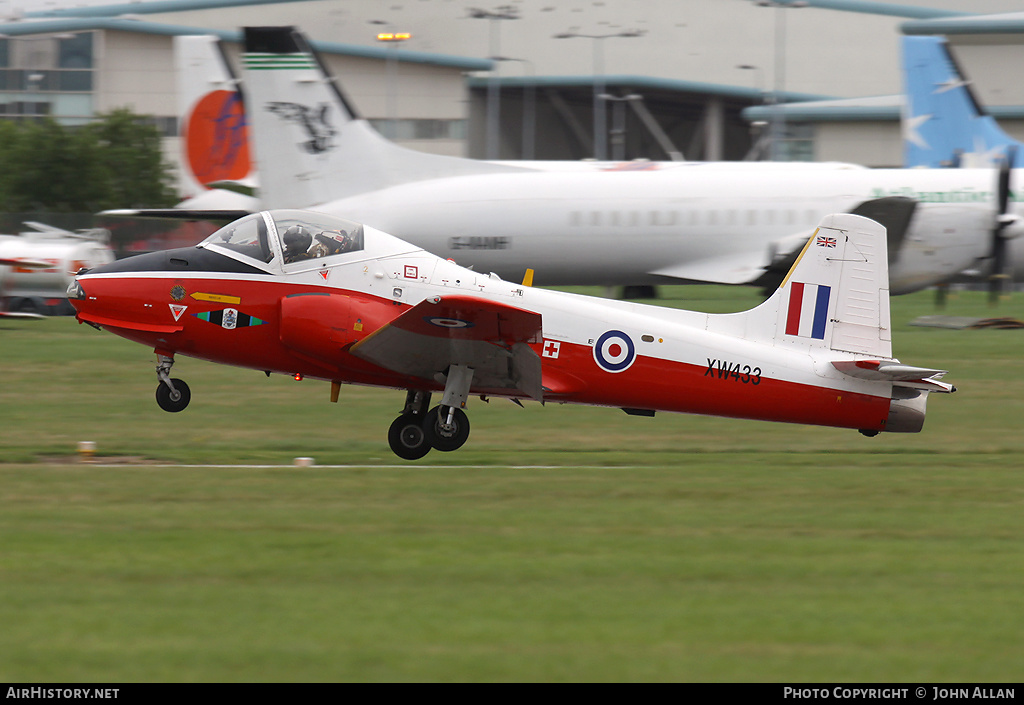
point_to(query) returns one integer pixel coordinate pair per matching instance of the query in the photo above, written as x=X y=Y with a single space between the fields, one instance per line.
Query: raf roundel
x=614 y=351
x=448 y=322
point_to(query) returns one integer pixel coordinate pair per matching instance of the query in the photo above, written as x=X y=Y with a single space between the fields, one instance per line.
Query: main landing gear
x=171 y=394
x=445 y=427
x=416 y=431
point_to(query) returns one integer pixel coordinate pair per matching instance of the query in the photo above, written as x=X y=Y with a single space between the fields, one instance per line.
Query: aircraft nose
x=75 y=291
x=76 y=296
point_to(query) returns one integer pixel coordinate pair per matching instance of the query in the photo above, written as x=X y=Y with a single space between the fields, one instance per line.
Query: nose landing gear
x=171 y=394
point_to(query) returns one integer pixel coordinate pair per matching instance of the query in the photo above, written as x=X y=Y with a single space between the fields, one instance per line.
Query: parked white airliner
x=668 y=222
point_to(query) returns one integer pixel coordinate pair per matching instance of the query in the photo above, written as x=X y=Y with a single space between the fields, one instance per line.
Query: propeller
x=1001 y=276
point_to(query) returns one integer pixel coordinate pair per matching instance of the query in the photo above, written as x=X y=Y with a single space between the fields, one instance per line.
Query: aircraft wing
x=734 y=268
x=899 y=374
x=21 y=314
x=25 y=263
x=488 y=336
x=176 y=214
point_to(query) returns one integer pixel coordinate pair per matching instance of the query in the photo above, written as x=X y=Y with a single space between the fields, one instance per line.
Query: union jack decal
x=826 y=241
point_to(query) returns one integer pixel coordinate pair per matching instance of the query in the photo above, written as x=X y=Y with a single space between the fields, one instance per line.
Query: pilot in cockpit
x=296 y=243
x=299 y=244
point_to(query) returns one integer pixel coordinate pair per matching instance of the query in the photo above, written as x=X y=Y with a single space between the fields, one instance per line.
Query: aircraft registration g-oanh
x=312 y=295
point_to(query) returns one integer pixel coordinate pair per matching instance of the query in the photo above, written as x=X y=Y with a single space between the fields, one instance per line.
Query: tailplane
x=944 y=124
x=310 y=142
x=834 y=305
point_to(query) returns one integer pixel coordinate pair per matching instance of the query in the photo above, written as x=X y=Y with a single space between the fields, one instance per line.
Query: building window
x=798 y=144
x=47 y=75
x=75 y=52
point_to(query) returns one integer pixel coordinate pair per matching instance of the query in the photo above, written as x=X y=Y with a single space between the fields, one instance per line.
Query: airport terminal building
x=724 y=80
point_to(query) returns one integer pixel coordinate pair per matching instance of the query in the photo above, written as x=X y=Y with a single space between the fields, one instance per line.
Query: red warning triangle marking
x=324 y=274
x=177 y=310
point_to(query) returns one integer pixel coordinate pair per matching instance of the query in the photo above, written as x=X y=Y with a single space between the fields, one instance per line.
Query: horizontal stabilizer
x=895 y=372
x=248 y=187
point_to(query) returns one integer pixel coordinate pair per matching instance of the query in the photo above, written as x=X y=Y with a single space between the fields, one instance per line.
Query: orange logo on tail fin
x=216 y=138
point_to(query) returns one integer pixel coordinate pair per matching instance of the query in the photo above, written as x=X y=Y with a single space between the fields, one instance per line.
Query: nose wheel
x=174 y=396
x=171 y=394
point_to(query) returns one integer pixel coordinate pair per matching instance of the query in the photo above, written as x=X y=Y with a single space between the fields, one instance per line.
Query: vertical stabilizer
x=214 y=134
x=311 y=144
x=943 y=122
x=835 y=297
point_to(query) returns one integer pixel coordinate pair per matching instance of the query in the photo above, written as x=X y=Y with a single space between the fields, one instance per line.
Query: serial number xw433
x=734 y=371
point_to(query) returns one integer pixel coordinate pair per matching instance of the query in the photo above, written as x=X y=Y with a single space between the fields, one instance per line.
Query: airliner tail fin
x=215 y=140
x=311 y=143
x=944 y=124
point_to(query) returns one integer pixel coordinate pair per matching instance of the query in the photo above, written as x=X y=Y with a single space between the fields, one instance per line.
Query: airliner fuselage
x=683 y=224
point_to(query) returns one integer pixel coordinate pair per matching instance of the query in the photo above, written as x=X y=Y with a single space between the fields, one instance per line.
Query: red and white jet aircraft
x=312 y=295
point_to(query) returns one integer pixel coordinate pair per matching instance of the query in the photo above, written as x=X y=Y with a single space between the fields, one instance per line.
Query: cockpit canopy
x=287 y=237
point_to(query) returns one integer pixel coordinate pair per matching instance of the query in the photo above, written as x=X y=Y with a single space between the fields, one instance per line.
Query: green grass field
x=561 y=544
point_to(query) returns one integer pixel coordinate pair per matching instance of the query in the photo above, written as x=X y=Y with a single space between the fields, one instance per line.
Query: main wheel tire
x=176 y=401
x=446 y=439
x=407 y=438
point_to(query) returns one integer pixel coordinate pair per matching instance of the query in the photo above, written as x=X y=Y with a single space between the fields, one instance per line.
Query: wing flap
x=490 y=337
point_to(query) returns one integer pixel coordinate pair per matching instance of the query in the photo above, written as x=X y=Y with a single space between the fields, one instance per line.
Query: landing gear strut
x=171 y=394
x=406 y=436
x=445 y=427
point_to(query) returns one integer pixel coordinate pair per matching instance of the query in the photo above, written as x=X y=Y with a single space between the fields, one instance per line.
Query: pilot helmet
x=296 y=240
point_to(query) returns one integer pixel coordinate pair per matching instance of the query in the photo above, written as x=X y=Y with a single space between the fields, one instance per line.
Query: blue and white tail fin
x=214 y=134
x=835 y=297
x=311 y=145
x=943 y=122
